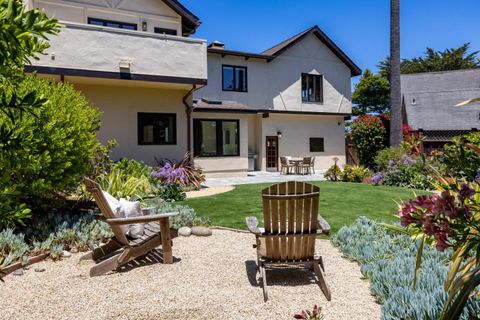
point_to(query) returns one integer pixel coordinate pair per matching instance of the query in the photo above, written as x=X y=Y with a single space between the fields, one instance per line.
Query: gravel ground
x=211 y=278
x=210 y=191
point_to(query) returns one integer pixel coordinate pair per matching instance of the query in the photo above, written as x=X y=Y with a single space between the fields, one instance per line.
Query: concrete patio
x=263 y=177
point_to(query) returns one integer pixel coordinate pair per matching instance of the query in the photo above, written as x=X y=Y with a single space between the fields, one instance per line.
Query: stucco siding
x=154 y=12
x=120 y=106
x=296 y=133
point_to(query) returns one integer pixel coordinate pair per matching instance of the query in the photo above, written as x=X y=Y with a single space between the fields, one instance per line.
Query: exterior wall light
x=124 y=65
x=279 y=134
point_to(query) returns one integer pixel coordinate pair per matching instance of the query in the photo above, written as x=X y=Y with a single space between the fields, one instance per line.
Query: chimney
x=217 y=45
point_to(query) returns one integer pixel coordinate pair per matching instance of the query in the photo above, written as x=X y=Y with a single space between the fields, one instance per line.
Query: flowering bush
x=407 y=172
x=461 y=161
x=368 y=137
x=183 y=173
x=450 y=219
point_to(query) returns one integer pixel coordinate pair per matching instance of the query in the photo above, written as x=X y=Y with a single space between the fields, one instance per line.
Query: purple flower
x=377 y=178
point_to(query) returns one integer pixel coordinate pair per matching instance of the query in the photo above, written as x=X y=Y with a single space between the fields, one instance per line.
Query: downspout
x=188 y=111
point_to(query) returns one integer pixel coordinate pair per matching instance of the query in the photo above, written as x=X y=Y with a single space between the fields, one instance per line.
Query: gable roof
x=190 y=22
x=285 y=45
x=429 y=99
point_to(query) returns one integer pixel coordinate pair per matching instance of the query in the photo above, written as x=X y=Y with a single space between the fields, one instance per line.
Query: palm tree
x=396 y=136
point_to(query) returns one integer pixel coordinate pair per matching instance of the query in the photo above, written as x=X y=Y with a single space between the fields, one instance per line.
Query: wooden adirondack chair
x=120 y=250
x=292 y=223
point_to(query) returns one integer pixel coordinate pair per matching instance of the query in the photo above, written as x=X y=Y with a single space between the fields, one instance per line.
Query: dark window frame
x=219 y=138
x=141 y=115
x=160 y=30
x=314 y=149
x=234 y=78
x=309 y=78
x=104 y=21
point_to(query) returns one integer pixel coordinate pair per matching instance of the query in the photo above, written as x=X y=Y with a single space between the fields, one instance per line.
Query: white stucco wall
x=296 y=133
x=226 y=166
x=119 y=106
x=154 y=12
x=96 y=48
x=277 y=85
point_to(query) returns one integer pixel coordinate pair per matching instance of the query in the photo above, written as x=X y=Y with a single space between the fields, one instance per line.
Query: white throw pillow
x=115 y=207
x=132 y=209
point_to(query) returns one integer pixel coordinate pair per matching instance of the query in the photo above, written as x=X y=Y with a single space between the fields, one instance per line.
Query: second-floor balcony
x=87 y=50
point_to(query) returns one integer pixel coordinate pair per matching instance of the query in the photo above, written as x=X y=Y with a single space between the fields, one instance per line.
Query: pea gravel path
x=212 y=278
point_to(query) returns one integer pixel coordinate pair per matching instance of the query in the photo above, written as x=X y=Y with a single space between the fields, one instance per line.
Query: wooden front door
x=272 y=153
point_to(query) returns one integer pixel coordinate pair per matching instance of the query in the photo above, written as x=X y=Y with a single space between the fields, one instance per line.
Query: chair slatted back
x=96 y=191
x=290 y=219
x=307 y=160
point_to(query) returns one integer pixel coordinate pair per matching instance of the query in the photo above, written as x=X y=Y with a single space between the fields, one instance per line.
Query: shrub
x=368 y=136
x=386 y=259
x=186 y=218
x=57 y=144
x=333 y=173
x=386 y=155
x=461 y=161
x=408 y=172
x=354 y=173
x=171 y=192
x=182 y=173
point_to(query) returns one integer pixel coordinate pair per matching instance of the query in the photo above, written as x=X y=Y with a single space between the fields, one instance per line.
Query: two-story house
x=136 y=62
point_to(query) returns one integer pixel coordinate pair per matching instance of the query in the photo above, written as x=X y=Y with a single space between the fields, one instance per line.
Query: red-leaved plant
x=315 y=314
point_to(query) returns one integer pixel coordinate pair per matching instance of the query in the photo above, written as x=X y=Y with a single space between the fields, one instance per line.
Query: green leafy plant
x=386 y=155
x=333 y=173
x=408 y=172
x=368 y=136
x=461 y=161
x=120 y=184
x=171 y=192
x=354 y=173
x=58 y=142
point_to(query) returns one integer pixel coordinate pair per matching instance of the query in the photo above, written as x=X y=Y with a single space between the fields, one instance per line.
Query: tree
x=448 y=59
x=396 y=136
x=371 y=94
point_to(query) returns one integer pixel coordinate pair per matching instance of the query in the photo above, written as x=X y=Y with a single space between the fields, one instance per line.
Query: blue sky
x=358 y=27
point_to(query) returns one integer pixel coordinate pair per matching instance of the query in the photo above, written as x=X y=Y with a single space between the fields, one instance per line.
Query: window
x=112 y=24
x=216 y=138
x=312 y=88
x=234 y=78
x=317 y=145
x=157 y=128
x=171 y=32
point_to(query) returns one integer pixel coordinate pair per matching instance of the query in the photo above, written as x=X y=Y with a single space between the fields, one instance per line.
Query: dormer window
x=112 y=24
x=312 y=88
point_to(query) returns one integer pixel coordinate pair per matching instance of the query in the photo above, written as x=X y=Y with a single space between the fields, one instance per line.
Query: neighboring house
x=429 y=101
x=135 y=61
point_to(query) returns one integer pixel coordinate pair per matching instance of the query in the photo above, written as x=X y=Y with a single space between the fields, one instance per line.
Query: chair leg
x=264 y=279
x=323 y=283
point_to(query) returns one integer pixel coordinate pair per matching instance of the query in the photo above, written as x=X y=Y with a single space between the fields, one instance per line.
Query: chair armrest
x=252 y=225
x=99 y=217
x=143 y=219
x=323 y=224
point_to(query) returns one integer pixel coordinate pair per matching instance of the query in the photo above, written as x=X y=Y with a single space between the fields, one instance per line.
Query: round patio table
x=298 y=163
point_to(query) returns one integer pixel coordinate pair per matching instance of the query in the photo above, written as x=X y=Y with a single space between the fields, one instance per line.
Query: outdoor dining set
x=289 y=165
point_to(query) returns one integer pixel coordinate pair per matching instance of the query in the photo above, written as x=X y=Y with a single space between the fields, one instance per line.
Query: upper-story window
x=234 y=78
x=112 y=24
x=171 y=32
x=312 y=88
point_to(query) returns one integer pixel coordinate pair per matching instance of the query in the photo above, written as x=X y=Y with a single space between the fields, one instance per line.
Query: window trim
x=310 y=144
x=155 y=29
x=308 y=75
x=140 y=129
x=113 y=21
x=219 y=138
x=234 y=79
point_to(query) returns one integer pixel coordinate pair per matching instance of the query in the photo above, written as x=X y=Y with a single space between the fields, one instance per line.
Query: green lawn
x=340 y=203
